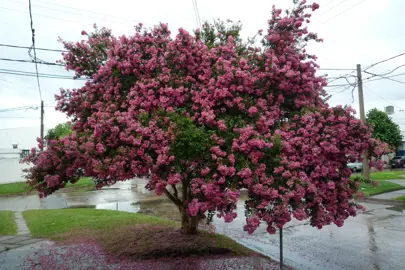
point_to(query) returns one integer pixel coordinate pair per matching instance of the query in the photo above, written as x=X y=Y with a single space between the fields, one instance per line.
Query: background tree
x=208 y=116
x=384 y=129
x=59 y=131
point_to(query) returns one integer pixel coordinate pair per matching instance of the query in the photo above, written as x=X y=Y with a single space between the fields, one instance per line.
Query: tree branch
x=184 y=190
x=172 y=198
x=176 y=194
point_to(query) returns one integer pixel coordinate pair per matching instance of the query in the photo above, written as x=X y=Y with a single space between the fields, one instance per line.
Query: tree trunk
x=189 y=225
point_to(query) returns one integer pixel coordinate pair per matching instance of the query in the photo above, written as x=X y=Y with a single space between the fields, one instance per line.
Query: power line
x=31 y=61
x=33 y=46
x=24 y=47
x=383 y=98
x=338 y=4
x=366 y=80
x=41 y=75
x=75 y=21
x=336 y=69
x=337 y=15
x=46 y=16
x=385 y=77
x=93 y=12
x=17 y=117
x=390 y=71
x=198 y=12
x=327 y=4
x=377 y=75
x=385 y=60
x=195 y=13
x=32 y=107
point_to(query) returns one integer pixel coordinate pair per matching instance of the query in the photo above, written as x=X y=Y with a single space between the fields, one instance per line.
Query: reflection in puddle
x=119 y=206
x=161 y=208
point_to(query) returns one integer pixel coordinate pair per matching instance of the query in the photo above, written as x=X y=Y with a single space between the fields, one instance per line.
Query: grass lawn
x=7 y=223
x=401 y=198
x=384 y=175
x=21 y=187
x=126 y=234
x=383 y=184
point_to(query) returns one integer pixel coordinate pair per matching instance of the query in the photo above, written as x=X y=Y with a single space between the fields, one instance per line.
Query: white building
x=14 y=143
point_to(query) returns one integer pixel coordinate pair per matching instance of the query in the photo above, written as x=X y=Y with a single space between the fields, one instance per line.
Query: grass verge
x=7 y=223
x=383 y=187
x=21 y=187
x=130 y=235
x=401 y=198
x=384 y=175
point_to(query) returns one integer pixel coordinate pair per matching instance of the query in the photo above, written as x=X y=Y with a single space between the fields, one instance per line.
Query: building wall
x=10 y=168
x=25 y=137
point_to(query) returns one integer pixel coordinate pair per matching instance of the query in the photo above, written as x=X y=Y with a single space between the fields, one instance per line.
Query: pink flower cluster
x=264 y=109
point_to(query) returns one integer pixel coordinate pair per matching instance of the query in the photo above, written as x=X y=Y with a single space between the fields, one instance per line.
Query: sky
x=354 y=32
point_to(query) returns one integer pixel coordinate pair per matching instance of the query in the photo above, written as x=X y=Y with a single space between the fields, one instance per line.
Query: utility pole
x=42 y=119
x=366 y=169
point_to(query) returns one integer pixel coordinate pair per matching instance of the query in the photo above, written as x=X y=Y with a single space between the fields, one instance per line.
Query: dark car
x=398 y=162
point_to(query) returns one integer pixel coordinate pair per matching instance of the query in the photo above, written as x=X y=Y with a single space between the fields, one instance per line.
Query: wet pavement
x=122 y=192
x=393 y=194
x=372 y=240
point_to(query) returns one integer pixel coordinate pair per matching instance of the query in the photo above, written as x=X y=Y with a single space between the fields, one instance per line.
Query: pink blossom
x=193 y=208
x=174 y=179
x=252 y=111
x=168 y=107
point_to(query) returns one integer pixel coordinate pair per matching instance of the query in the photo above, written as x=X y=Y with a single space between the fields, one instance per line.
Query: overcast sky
x=363 y=34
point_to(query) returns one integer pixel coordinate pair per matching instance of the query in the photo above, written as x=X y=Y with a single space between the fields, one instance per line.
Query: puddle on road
x=161 y=208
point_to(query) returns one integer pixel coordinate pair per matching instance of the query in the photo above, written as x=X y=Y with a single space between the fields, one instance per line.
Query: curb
x=382 y=201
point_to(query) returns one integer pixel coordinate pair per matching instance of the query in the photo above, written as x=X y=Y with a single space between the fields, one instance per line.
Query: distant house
x=15 y=143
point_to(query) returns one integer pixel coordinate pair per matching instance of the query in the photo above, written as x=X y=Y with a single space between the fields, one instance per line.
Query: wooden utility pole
x=366 y=168
x=42 y=119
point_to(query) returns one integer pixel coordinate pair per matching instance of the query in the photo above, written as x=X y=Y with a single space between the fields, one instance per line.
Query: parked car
x=398 y=162
x=355 y=166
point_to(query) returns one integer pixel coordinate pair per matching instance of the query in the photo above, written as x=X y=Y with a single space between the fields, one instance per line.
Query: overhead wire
x=385 y=60
x=195 y=14
x=31 y=61
x=18 y=117
x=338 y=4
x=93 y=12
x=42 y=75
x=384 y=77
x=70 y=20
x=31 y=107
x=336 y=69
x=337 y=15
x=33 y=46
x=382 y=97
x=25 y=47
x=198 y=12
x=327 y=4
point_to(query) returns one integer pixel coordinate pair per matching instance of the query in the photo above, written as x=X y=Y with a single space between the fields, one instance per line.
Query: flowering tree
x=209 y=116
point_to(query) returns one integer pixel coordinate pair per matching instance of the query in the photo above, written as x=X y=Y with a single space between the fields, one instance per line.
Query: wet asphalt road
x=375 y=239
